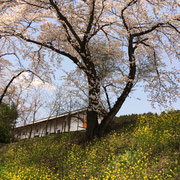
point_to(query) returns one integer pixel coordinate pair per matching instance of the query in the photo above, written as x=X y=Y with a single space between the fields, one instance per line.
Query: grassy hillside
x=146 y=148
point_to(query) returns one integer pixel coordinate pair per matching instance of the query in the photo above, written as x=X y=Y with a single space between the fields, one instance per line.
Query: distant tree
x=8 y=116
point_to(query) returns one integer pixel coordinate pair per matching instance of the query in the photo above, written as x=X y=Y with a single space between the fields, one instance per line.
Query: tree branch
x=35 y=5
x=73 y=58
x=64 y=19
x=107 y=97
x=122 y=13
x=11 y=81
x=147 y=31
x=173 y=27
x=91 y=19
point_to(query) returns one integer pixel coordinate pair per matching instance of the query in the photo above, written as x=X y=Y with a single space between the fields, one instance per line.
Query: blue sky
x=133 y=105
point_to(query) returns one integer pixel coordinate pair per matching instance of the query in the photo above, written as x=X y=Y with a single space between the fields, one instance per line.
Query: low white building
x=72 y=121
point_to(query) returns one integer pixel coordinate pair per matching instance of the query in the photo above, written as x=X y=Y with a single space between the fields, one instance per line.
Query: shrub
x=8 y=116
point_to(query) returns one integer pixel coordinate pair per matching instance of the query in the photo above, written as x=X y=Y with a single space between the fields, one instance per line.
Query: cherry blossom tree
x=142 y=31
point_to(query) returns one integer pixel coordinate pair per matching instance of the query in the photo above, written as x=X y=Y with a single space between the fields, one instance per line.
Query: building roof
x=54 y=117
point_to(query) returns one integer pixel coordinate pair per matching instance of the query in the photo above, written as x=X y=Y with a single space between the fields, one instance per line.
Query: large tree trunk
x=92 y=112
x=92 y=124
x=93 y=128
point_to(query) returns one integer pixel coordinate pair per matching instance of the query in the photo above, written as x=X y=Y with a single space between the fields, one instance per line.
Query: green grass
x=146 y=148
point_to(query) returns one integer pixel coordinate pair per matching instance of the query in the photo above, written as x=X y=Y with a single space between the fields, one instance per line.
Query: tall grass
x=148 y=148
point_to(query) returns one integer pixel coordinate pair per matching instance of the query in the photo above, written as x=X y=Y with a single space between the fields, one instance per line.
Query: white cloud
x=38 y=83
x=25 y=81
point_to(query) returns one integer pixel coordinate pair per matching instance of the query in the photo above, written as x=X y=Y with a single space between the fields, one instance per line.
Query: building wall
x=57 y=125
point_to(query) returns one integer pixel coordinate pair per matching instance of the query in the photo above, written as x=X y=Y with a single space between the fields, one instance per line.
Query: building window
x=37 y=130
x=85 y=122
